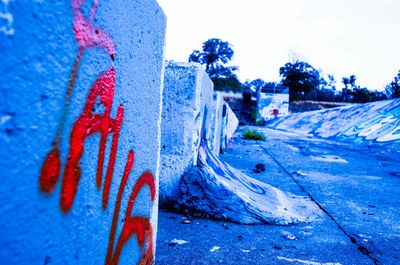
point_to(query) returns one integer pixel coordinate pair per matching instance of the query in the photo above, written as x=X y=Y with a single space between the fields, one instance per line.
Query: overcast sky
x=339 y=37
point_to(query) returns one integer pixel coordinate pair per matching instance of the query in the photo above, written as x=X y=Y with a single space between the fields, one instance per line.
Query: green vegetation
x=303 y=80
x=393 y=88
x=216 y=56
x=253 y=135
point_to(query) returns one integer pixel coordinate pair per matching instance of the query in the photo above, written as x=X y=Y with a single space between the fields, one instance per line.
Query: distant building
x=273 y=101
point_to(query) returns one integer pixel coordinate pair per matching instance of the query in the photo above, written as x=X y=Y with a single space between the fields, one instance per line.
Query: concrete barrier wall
x=187 y=98
x=370 y=123
x=272 y=105
x=232 y=123
x=80 y=111
x=229 y=125
x=216 y=123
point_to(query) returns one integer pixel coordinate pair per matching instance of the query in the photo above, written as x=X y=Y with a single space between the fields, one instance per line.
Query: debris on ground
x=299 y=173
x=288 y=235
x=214 y=248
x=177 y=242
x=260 y=166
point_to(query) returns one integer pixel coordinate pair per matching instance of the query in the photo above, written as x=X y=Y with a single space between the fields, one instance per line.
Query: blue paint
x=372 y=123
x=223 y=192
x=37 y=62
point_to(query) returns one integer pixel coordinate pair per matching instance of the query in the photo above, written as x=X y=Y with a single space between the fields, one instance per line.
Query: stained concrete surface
x=80 y=85
x=357 y=187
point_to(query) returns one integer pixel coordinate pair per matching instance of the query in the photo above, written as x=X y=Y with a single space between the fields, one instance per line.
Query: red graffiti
x=88 y=124
x=133 y=225
x=88 y=35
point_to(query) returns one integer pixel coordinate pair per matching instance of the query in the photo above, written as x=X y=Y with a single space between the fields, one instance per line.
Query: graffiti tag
x=87 y=124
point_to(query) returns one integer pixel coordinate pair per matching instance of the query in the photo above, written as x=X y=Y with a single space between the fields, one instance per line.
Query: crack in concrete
x=360 y=247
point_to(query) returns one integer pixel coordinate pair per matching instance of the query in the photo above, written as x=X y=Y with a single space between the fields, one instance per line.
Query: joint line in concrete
x=360 y=247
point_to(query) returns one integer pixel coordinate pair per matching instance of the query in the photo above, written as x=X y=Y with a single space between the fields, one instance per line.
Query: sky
x=339 y=37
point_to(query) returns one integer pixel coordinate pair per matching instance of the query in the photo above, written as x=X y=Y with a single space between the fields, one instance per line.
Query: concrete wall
x=370 y=123
x=80 y=110
x=232 y=123
x=272 y=105
x=187 y=101
x=229 y=125
x=216 y=123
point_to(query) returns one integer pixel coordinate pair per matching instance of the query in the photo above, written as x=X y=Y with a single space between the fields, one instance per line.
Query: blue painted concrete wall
x=56 y=208
x=216 y=122
x=186 y=96
x=371 y=123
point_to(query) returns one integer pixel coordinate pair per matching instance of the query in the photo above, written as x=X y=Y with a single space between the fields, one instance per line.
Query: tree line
x=303 y=80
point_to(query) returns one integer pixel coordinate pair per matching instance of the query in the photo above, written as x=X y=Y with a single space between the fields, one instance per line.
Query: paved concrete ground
x=357 y=188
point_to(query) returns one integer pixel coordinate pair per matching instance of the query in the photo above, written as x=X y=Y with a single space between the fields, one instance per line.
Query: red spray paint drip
x=88 y=124
x=88 y=35
x=139 y=226
x=50 y=170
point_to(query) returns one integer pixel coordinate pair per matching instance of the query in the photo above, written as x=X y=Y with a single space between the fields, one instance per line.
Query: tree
x=331 y=83
x=254 y=86
x=378 y=95
x=215 y=57
x=393 y=88
x=327 y=89
x=325 y=94
x=301 y=78
x=349 y=86
x=361 y=95
x=349 y=81
x=351 y=92
x=227 y=84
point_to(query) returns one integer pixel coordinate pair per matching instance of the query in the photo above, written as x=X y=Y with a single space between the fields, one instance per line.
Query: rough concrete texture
x=222 y=192
x=216 y=123
x=373 y=123
x=187 y=101
x=271 y=105
x=229 y=125
x=360 y=198
x=80 y=93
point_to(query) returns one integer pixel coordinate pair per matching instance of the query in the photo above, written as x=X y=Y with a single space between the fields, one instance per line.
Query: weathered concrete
x=187 y=101
x=216 y=123
x=357 y=185
x=72 y=84
x=372 y=123
x=229 y=125
x=272 y=104
x=222 y=192
x=360 y=225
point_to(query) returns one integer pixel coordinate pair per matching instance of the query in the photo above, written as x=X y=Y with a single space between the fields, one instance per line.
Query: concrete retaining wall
x=190 y=109
x=370 y=123
x=272 y=105
x=229 y=125
x=187 y=101
x=80 y=105
x=216 y=123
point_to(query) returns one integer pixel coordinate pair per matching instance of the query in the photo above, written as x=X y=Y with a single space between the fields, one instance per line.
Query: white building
x=273 y=101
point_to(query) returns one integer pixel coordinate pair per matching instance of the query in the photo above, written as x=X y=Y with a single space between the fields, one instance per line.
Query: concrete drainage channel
x=359 y=246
